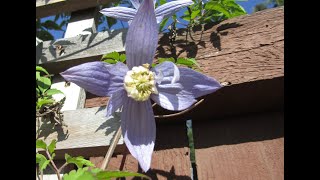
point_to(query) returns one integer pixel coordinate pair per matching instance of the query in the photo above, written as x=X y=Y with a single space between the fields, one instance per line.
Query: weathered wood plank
x=248 y=147
x=241 y=40
x=52 y=7
x=85 y=128
x=170 y=159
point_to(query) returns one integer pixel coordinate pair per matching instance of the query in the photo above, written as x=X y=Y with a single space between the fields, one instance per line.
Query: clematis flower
x=131 y=86
x=163 y=11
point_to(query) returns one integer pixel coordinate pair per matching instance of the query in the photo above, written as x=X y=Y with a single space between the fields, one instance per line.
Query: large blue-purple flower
x=163 y=11
x=131 y=86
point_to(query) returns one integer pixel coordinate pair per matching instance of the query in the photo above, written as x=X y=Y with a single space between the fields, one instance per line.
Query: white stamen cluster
x=140 y=83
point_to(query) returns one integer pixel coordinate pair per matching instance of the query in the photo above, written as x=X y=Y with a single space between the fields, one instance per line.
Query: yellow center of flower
x=140 y=83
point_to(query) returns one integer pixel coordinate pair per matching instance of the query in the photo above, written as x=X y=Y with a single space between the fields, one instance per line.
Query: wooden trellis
x=238 y=131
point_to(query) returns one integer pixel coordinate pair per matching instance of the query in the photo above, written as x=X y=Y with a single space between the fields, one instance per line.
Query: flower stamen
x=140 y=83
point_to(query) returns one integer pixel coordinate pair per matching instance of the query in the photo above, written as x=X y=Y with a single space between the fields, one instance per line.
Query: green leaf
x=118 y=174
x=42 y=102
x=80 y=174
x=122 y=58
x=38 y=92
x=78 y=161
x=51 y=25
x=217 y=7
x=113 y=55
x=161 y=60
x=52 y=146
x=110 y=61
x=163 y=23
x=195 y=13
x=51 y=92
x=111 y=22
x=162 y=2
x=190 y=62
x=39 y=68
x=44 y=35
x=43 y=83
x=41 y=144
x=37 y=75
x=42 y=161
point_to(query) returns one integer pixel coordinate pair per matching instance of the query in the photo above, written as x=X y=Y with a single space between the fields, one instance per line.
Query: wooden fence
x=238 y=131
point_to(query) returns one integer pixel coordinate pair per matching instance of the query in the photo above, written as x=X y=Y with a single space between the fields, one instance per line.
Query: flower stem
x=111 y=149
x=63 y=166
x=53 y=165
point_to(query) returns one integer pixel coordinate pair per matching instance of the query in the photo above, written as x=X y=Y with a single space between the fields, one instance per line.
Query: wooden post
x=81 y=23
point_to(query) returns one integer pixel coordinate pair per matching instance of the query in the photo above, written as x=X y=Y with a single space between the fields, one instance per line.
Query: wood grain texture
x=85 y=128
x=52 y=7
x=242 y=47
x=170 y=160
x=248 y=147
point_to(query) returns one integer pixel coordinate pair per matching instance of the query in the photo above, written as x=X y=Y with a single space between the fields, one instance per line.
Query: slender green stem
x=63 y=166
x=53 y=165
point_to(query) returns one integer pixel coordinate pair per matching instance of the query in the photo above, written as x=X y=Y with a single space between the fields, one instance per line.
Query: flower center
x=140 y=83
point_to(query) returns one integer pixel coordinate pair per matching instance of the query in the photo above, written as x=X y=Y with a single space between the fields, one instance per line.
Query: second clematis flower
x=163 y=11
x=131 y=86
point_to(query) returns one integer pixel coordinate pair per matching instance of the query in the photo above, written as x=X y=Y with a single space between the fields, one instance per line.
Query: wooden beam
x=52 y=7
x=247 y=147
x=241 y=40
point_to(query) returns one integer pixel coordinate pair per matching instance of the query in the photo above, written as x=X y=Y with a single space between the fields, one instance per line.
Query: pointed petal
x=98 y=78
x=136 y=3
x=142 y=36
x=139 y=130
x=121 y=13
x=168 y=72
x=116 y=101
x=180 y=94
x=168 y=9
x=196 y=83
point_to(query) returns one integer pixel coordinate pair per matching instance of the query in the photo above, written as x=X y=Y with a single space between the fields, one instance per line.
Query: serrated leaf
x=52 y=146
x=122 y=58
x=95 y=170
x=42 y=161
x=78 y=161
x=80 y=174
x=43 y=83
x=51 y=92
x=41 y=144
x=118 y=174
x=190 y=62
x=39 y=68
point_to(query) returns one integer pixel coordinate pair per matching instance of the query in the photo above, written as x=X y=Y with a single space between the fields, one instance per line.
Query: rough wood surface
x=243 y=49
x=249 y=147
x=170 y=159
x=225 y=49
x=86 y=128
x=52 y=7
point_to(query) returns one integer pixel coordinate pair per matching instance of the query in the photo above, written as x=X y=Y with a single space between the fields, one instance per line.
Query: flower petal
x=196 y=83
x=170 y=8
x=115 y=102
x=172 y=99
x=142 y=36
x=139 y=130
x=121 y=13
x=168 y=72
x=98 y=78
x=179 y=93
x=136 y=3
